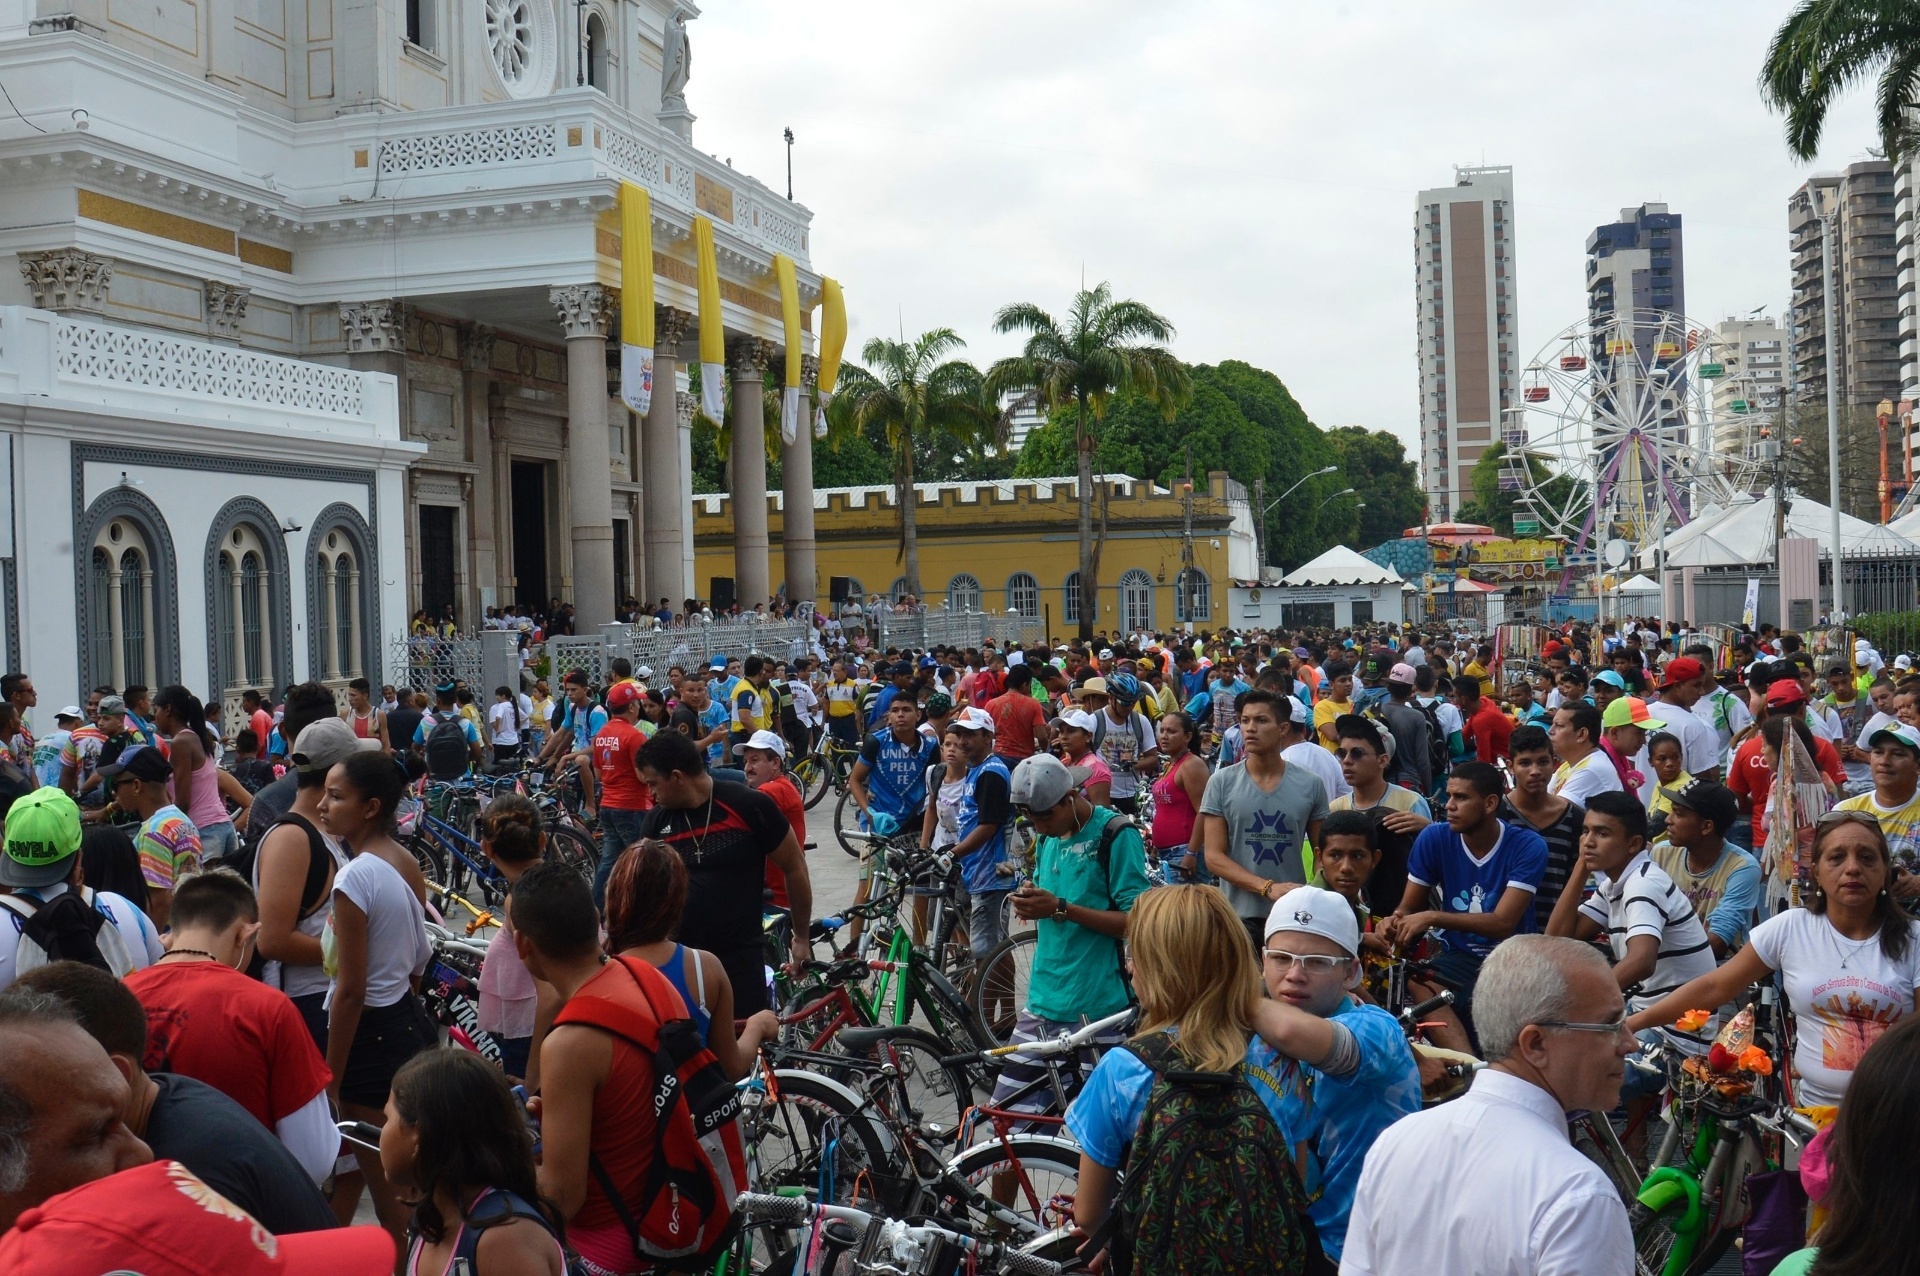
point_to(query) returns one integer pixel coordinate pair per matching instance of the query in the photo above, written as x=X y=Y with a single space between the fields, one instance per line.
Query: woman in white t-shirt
x=375 y=945
x=1850 y=960
x=504 y=722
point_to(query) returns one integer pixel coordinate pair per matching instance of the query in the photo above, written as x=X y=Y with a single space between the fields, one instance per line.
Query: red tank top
x=622 y=1116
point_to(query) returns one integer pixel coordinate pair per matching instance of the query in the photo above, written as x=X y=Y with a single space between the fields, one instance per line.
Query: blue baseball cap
x=1609 y=677
x=718 y=662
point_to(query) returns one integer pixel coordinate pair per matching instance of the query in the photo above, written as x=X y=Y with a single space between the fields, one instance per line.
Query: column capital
x=226 y=307
x=68 y=279
x=375 y=327
x=748 y=355
x=670 y=327
x=683 y=407
x=585 y=310
x=809 y=370
x=476 y=347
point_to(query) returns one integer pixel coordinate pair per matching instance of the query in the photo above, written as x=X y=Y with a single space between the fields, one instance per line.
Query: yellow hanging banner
x=833 y=335
x=713 y=333
x=789 y=282
x=636 y=297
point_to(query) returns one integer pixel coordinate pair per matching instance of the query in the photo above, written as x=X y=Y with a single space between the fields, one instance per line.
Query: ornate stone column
x=747 y=359
x=796 y=486
x=226 y=308
x=684 y=406
x=486 y=453
x=667 y=480
x=68 y=280
x=585 y=314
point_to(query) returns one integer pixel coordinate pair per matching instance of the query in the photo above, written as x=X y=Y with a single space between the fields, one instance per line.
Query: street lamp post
x=1266 y=508
x=1336 y=496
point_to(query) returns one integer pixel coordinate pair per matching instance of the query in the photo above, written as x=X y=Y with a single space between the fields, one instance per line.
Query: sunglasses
x=1312 y=963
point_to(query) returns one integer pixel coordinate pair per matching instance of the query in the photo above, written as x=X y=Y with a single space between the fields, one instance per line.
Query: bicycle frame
x=461 y=847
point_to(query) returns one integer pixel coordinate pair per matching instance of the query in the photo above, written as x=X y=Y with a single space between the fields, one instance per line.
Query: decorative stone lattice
x=67 y=279
x=469 y=148
x=118 y=356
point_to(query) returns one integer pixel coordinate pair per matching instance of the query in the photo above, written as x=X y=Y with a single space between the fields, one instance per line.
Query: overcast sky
x=1250 y=169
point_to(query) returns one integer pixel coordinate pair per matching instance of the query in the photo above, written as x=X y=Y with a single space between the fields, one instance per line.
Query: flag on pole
x=833 y=343
x=636 y=297
x=789 y=282
x=713 y=333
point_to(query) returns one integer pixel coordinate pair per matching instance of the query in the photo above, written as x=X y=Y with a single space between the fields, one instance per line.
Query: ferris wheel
x=1614 y=437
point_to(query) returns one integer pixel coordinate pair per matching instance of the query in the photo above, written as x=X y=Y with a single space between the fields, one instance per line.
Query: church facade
x=288 y=257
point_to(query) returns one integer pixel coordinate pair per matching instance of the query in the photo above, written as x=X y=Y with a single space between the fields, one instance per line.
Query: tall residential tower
x=1463 y=249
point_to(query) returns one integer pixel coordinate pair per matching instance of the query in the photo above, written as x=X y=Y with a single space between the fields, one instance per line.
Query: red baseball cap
x=159 y=1220
x=1784 y=691
x=622 y=694
x=1683 y=669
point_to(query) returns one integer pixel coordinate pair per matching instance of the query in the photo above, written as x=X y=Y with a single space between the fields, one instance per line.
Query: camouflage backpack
x=1210 y=1187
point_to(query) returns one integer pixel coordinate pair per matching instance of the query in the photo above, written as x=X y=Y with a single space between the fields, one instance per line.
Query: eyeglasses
x=1312 y=963
x=1611 y=1028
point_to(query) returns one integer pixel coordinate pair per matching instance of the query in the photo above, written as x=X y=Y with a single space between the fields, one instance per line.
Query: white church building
x=314 y=325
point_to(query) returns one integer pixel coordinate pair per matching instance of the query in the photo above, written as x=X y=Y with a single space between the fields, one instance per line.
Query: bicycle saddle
x=859 y=1040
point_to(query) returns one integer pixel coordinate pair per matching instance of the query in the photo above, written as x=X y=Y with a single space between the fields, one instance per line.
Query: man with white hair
x=1489 y=1185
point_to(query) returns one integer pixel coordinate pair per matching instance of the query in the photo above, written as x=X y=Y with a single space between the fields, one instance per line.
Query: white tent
x=1341 y=566
x=1741 y=535
x=1637 y=585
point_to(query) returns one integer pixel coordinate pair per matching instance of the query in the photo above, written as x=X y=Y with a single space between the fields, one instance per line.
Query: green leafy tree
x=914 y=398
x=1375 y=465
x=1106 y=349
x=1496 y=506
x=1826 y=47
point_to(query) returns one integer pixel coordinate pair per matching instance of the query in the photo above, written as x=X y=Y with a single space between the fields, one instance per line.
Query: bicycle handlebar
x=1064 y=1043
x=1427 y=1007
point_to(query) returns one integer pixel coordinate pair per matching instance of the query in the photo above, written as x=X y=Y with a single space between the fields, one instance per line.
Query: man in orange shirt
x=624 y=796
x=764 y=759
x=1019 y=720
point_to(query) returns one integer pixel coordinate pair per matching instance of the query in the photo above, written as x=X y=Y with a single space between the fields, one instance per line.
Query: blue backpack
x=491 y=1210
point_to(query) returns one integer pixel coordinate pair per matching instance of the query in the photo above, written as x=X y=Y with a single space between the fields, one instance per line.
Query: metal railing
x=425 y=662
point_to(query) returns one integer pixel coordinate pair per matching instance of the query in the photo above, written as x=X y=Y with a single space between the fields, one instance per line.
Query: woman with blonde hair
x=1199 y=992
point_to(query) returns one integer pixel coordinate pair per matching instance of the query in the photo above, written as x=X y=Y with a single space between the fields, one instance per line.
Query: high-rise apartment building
x=1866 y=302
x=1463 y=250
x=1751 y=389
x=1636 y=264
x=1906 y=247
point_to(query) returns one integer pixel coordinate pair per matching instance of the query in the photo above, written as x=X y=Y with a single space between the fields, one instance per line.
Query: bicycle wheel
x=999 y=989
x=570 y=846
x=431 y=859
x=811 y=776
x=813 y=1136
x=1020 y=1187
x=936 y=1095
x=1657 y=1240
x=846 y=819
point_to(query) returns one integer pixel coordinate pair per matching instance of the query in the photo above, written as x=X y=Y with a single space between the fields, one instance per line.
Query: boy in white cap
x=1342 y=1068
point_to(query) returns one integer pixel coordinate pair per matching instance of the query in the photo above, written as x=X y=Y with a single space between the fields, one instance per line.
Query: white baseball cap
x=768 y=740
x=1078 y=719
x=971 y=719
x=1310 y=910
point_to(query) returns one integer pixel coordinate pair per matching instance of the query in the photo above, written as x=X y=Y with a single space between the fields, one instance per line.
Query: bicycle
x=829 y=766
x=871 y=1244
x=453 y=859
x=450 y=990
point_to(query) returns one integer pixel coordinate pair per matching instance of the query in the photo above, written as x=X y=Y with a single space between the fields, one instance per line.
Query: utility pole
x=1186 y=544
x=1260 y=525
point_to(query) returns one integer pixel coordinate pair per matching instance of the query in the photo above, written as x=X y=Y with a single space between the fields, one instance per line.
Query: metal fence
x=1881 y=594
x=433 y=662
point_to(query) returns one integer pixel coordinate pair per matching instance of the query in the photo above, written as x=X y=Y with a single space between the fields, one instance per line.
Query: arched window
x=897 y=590
x=1072 y=611
x=855 y=590
x=1136 y=601
x=244 y=605
x=342 y=606
x=963 y=592
x=128 y=609
x=1023 y=595
x=596 y=53
x=1192 y=596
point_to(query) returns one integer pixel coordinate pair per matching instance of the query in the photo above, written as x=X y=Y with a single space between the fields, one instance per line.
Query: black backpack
x=1210 y=1184
x=446 y=749
x=1439 y=752
x=70 y=928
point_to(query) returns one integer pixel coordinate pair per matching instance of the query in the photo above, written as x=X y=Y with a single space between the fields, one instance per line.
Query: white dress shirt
x=1310 y=756
x=1487 y=1185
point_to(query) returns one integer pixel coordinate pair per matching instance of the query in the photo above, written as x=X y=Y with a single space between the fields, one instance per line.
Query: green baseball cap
x=43 y=835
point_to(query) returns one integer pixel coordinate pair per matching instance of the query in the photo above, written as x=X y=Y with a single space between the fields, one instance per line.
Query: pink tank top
x=207 y=808
x=1173 y=812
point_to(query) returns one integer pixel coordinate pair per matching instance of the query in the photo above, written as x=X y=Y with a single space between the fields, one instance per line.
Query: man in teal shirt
x=1088 y=871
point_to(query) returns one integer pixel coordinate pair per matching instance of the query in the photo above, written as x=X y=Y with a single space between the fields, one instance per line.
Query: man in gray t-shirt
x=1256 y=812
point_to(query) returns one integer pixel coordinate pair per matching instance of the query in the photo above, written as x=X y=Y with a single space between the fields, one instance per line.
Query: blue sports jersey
x=897 y=773
x=716 y=714
x=978 y=870
x=1440 y=860
x=1333 y=1122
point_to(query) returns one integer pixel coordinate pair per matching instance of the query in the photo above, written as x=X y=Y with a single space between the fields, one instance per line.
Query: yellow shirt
x=843 y=698
x=1323 y=715
x=1478 y=670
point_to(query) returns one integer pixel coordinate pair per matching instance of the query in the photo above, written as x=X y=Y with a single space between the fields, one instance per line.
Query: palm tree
x=1825 y=47
x=1103 y=351
x=910 y=394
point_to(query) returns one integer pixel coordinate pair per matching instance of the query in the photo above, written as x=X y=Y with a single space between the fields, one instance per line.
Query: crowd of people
x=220 y=935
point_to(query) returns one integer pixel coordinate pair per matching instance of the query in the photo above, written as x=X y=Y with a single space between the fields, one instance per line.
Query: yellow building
x=1014 y=544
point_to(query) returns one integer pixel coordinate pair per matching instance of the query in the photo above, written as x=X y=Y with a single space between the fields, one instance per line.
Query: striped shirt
x=1643 y=900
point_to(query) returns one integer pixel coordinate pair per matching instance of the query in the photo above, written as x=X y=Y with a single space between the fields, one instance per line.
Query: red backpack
x=685 y=1209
